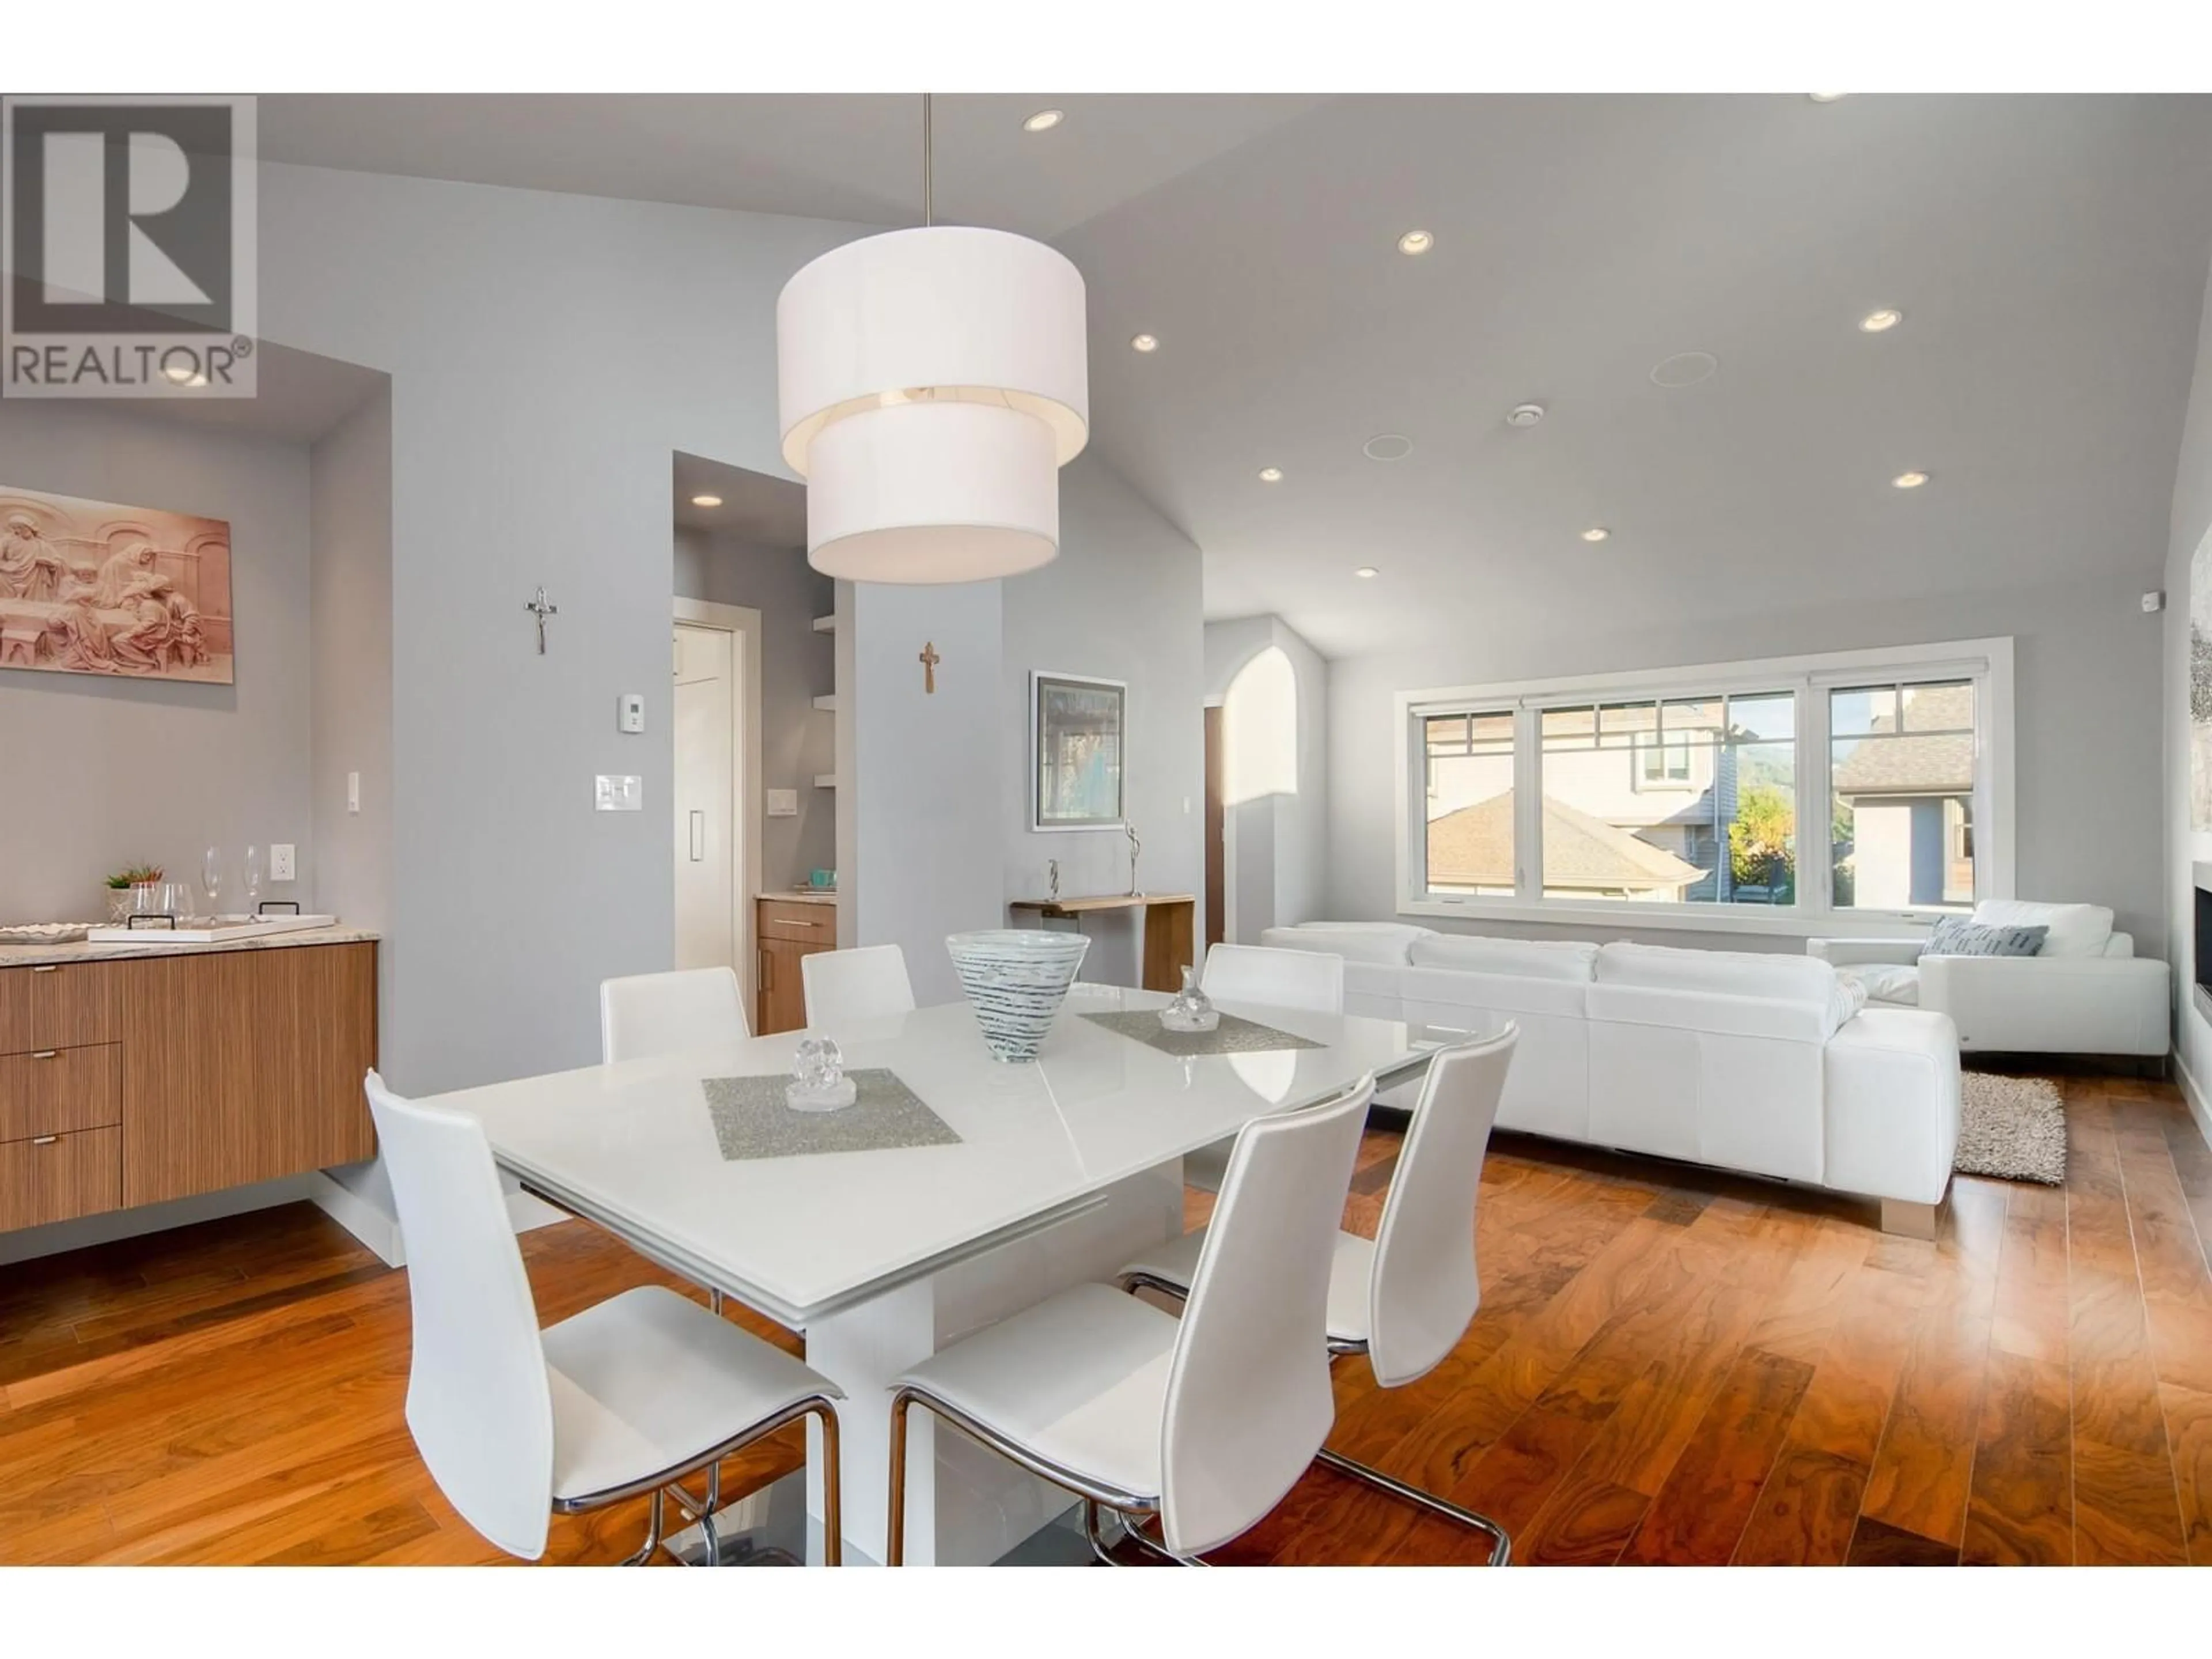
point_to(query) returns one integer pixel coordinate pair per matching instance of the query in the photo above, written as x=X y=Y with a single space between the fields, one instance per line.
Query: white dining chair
x=1309 y=979
x=845 y=987
x=647 y=1016
x=1205 y=1422
x=626 y=1398
x=1405 y=1299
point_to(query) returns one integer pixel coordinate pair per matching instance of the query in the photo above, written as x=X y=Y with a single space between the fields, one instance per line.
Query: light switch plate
x=353 y=792
x=619 y=794
x=283 y=861
x=783 y=803
x=630 y=712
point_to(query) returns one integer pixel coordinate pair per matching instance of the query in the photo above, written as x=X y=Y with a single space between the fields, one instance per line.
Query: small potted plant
x=121 y=899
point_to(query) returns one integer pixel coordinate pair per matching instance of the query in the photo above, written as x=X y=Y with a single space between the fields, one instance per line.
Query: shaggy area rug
x=2013 y=1126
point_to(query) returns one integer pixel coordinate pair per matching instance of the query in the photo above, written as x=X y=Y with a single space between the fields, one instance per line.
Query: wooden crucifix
x=929 y=660
x=541 y=610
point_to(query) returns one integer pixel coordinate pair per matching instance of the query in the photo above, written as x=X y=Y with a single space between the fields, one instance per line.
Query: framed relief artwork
x=96 y=588
x=1077 y=729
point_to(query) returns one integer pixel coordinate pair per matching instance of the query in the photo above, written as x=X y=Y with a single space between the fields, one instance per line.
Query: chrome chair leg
x=1501 y=1551
x=652 y=1536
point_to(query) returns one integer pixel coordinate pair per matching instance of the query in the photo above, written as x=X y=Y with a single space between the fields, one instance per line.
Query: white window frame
x=1987 y=663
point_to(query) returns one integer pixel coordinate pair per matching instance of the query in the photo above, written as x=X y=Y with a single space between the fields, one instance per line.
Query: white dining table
x=1064 y=1167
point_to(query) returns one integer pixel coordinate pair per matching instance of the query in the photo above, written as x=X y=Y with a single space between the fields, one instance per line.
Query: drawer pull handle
x=43 y=1141
x=45 y=1053
x=47 y=968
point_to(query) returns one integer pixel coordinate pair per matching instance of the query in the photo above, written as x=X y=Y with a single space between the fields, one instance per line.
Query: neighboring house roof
x=1939 y=764
x=1473 y=848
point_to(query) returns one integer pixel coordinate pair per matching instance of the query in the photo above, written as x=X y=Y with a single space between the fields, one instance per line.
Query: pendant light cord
x=928 y=164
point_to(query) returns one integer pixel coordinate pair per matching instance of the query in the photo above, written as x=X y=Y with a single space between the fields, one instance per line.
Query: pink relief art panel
x=95 y=587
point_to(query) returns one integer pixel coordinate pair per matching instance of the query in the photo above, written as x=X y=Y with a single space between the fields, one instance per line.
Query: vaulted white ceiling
x=2049 y=254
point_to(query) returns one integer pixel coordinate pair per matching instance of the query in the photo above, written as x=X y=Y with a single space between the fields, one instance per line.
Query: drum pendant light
x=931 y=383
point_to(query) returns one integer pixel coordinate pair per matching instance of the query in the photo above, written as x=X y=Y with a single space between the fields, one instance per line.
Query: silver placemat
x=751 y=1119
x=1232 y=1036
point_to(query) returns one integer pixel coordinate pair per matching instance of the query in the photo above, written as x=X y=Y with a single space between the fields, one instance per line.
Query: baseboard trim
x=58 y=1237
x=366 y=1221
x=2195 y=1096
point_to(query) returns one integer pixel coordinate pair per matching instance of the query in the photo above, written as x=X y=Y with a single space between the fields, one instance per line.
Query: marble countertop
x=29 y=956
x=800 y=895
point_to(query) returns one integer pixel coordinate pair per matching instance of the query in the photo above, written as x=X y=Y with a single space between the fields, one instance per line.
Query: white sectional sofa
x=2086 y=992
x=1766 y=1063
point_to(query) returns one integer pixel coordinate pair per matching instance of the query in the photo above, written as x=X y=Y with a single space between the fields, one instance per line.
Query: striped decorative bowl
x=1016 y=978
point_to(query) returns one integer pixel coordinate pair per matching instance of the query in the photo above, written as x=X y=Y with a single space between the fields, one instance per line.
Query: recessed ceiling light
x=1044 y=120
x=1910 y=480
x=1388 y=446
x=1596 y=532
x=706 y=501
x=1144 y=342
x=1367 y=572
x=1271 y=474
x=1524 y=415
x=1684 y=368
x=1416 y=241
x=1880 y=322
x=1827 y=97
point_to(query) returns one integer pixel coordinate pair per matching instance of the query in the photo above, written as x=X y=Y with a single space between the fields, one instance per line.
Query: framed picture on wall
x=97 y=587
x=1077 y=729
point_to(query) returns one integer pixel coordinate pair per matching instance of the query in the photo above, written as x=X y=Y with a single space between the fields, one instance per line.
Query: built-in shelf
x=825 y=780
x=825 y=624
x=827 y=702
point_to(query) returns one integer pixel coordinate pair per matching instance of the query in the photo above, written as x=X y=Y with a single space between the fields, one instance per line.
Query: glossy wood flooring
x=1669 y=1366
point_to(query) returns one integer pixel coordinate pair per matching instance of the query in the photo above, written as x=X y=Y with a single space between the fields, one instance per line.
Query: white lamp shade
x=948 y=313
x=932 y=492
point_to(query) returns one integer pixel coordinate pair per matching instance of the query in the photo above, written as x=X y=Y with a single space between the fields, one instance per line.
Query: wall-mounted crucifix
x=538 y=608
x=929 y=660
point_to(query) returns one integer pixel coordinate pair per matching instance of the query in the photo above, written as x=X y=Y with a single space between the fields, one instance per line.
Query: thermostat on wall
x=630 y=715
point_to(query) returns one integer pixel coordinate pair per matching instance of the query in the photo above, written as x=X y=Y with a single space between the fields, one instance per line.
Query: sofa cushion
x=2076 y=930
x=1888 y=983
x=1524 y=958
x=1956 y=936
x=1726 y=973
x=1381 y=943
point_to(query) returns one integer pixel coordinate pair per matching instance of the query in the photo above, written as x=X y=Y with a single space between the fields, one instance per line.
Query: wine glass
x=211 y=878
x=254 y=881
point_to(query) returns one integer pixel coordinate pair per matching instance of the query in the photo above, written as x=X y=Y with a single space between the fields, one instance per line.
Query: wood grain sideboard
x=786 y=930
x=130 y=1082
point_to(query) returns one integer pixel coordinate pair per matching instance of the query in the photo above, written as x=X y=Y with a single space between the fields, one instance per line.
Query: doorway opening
x=716 y=653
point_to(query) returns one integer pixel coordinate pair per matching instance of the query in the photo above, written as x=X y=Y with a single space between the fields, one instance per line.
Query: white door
x=707 y=852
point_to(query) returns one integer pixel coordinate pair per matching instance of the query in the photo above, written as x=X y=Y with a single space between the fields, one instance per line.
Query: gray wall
x=349 y=629
x=2192 y=523
x=797 y=741
x=2086 y=751
x=1279 y=867
x=549 y=353
x=101 y=772
x=930 y=787
x=1122 y=602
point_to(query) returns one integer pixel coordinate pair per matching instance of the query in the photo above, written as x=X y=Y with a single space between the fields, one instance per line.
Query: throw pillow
x=1956 y=936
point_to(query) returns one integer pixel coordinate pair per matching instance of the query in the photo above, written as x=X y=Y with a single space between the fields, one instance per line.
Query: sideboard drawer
x=66 y=1005
x=809 y=924
x=60 y=1177
x=52 y=1091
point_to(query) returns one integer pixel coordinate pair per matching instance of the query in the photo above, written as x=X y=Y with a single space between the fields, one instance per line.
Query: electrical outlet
x=283 y=861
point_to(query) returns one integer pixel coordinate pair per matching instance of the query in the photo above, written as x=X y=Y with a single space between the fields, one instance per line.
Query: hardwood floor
x=1669 y=1366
